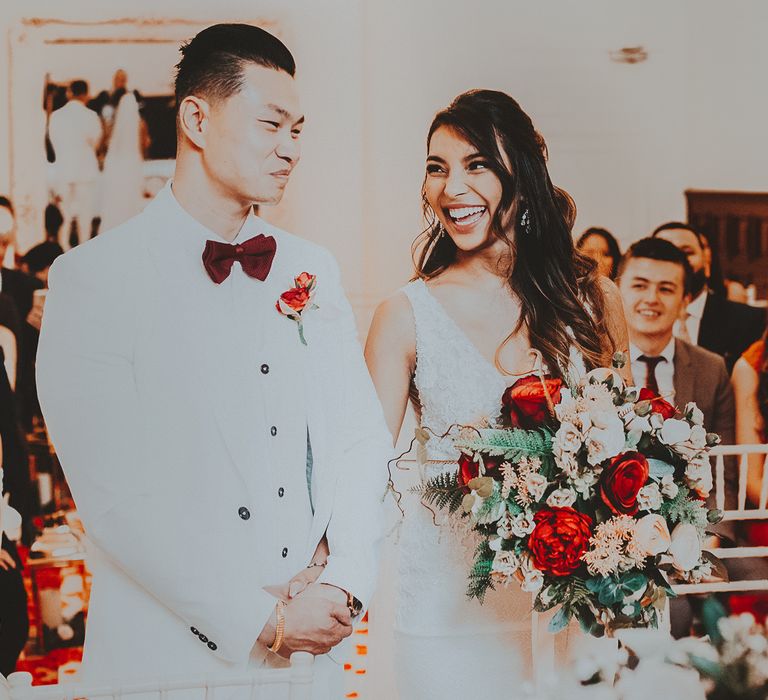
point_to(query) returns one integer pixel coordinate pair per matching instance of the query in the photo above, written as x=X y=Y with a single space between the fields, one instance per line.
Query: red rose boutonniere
x=294 y=302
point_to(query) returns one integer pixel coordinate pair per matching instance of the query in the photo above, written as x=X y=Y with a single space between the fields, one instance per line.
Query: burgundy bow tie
x=255 y=256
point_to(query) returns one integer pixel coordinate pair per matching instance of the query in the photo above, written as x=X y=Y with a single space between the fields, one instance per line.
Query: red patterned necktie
x=255 y=256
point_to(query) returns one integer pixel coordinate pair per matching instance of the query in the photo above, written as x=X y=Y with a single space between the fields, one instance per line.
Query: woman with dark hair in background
x=500 y=294
x=599 y=245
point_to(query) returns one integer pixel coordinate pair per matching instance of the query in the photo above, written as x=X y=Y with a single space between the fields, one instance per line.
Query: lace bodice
x=455 y=384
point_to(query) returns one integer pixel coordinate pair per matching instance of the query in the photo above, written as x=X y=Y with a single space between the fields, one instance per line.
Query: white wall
x=625 y=140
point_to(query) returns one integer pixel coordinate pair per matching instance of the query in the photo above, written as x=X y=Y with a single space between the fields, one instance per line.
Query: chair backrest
x=728 y=458
x=293 y=683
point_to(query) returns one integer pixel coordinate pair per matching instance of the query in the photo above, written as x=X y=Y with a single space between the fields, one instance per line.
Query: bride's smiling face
x=462 y=190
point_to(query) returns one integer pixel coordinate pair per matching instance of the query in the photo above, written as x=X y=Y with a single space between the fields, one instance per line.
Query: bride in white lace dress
x=498 y=285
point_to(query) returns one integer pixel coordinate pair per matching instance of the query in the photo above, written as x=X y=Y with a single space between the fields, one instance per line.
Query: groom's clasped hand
x=316 y=615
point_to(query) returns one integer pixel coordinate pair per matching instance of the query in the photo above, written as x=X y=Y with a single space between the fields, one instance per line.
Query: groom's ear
x=194 y=115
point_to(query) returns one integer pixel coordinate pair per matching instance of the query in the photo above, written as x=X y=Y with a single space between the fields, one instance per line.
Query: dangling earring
x=525 y=221
x=440 y=231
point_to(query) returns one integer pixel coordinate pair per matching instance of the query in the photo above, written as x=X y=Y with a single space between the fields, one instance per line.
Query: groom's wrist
x=267 y=636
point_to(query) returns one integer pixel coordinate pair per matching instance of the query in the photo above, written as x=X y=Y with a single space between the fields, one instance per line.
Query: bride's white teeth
x=466 y=215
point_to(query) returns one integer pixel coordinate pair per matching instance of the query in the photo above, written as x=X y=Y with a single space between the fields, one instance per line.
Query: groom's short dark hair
x=212 y=62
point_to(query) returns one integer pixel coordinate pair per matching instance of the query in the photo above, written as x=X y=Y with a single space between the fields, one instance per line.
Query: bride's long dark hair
x=562 y=302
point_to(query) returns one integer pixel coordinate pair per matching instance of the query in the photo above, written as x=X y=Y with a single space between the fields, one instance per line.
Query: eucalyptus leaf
x=658 y=469
x=560 y=620
x=711 y=612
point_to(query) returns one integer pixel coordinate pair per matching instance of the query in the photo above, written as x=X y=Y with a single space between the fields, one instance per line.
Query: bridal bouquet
x=592 y=496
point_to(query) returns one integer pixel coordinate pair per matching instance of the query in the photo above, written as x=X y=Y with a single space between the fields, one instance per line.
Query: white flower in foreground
x=675 y=431
x=536 y=485
x=566 y=409
x=567 y=438
x=522 y=524
x=698 y=476
x=698 y=437
x=652 y=535
x=656 y=678
x=505 y=564
x=649 y=497
x=561 y=498
x=597 y=398
x=694 y=413
x=533 y=579
x=668 y=486
x=685 y=547
x=605 y=443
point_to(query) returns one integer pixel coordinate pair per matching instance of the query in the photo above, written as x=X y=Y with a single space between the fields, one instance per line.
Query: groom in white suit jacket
x=216 y=446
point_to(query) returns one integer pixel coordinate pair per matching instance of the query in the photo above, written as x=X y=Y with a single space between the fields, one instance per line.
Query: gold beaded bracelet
x=280 y=628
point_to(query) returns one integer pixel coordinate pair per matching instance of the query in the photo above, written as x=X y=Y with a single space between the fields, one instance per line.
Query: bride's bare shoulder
x=393 y=322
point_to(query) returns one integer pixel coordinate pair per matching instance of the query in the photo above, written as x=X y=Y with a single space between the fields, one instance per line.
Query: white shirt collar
x=196 y=234
x=696 y=307
x=668 y=353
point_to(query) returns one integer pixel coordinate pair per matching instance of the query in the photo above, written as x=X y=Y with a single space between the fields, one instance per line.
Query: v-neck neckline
x=506 y=378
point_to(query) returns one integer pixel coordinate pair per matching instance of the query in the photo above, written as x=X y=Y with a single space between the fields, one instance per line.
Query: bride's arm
x=616 y=325
x=390 y=352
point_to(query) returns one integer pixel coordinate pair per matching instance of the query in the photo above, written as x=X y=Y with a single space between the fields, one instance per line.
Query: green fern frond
x=512 y=444
x=480 y=575
x=442 y=491
x=683 y=508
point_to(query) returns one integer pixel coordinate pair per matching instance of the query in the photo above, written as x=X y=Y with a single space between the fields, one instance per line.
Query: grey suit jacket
x=701 y=376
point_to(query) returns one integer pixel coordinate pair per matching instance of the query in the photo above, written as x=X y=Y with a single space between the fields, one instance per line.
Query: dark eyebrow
x=638 y=278
x=471 y=156
x=285 y=114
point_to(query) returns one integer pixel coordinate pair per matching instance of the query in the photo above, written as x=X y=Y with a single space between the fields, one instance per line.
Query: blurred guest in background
x=15 y=283
x=17 y=291
x=15 y=510
x=653 y=280
x=53 y=223
x=750 y=382
x=76 y=134
x=123 y=178
x=600 y=245
x=711 y=321
x=36 y=264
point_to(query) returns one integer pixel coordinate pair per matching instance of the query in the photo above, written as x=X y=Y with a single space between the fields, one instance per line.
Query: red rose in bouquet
x=525 y=404
x=621 y=481
x=658 y=405
x=470 y=469
x=559 y=539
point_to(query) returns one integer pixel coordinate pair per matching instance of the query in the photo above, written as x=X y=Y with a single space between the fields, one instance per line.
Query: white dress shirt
x=75 y=132
x=665 y=370
x=694 y=312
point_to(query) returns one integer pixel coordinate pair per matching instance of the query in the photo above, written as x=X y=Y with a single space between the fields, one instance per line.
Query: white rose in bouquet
x=675 y=431
x=694 y=413
x=533 y=579
x=652 y=535
x=505 y=564
x=597 y=398
x=698 y=475
x=536 y=485
x=668 y=486
x=685 y=547
x=568 y=438
x=561 y=498
x=606 y=441
x=698 y=437
x=522 y=525
x=649 y=497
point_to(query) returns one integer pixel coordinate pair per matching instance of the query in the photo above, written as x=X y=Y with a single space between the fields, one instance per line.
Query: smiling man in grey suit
x=653 y=280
